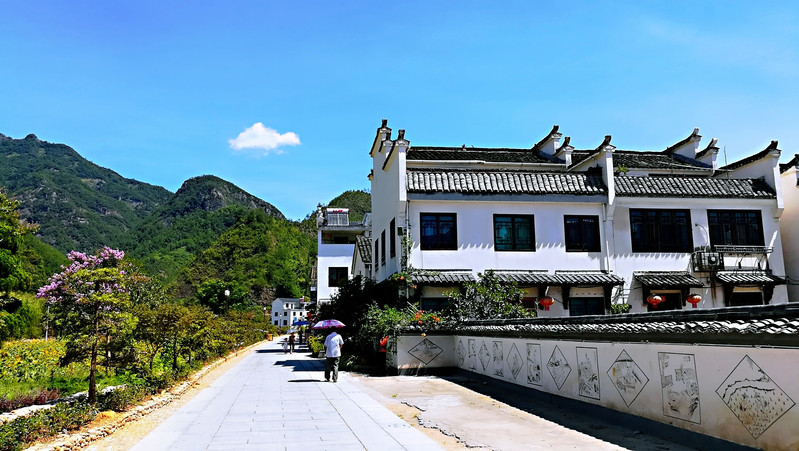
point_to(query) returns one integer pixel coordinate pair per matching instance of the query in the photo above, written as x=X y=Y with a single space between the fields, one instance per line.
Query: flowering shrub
x=90 y=304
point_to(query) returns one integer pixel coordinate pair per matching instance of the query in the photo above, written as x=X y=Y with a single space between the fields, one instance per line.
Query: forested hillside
x=265 y=256
x=77 y=204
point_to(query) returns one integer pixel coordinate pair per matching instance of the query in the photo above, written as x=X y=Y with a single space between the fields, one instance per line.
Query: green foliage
x=91 y=307
x=617 y=309
x=57 y=186
x=122 y=398
x=316 y=343
x=12 y=274
x=267 y=257
x=221 y=297
x=21 y=317
x=488 y=298
x=16 y=434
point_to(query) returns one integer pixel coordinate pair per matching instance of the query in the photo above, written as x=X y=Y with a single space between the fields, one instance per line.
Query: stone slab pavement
x=277 y=401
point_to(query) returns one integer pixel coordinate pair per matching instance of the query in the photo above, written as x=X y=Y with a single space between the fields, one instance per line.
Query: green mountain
x=77 y=204
x=196 y=216
x=266 y=256
x=359 y=203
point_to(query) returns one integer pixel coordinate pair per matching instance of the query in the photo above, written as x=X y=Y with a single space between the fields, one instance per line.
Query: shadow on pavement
x=307 y=380
x=597 y=421
x=302 y=365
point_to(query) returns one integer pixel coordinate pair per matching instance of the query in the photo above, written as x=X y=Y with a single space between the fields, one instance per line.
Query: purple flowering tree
x=89 y=302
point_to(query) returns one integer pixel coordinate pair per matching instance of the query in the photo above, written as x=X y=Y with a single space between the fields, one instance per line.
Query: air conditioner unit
x=708 y=261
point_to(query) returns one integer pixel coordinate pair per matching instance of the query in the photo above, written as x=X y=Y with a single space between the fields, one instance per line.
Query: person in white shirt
x=333 y=344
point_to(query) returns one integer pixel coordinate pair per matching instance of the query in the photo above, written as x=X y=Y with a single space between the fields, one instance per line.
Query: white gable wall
x=789 y=227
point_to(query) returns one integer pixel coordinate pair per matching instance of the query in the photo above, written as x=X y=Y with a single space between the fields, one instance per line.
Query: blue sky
x=161 y=91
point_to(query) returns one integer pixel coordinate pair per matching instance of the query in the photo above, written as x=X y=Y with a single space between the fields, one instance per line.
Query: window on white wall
x=514 y=233
x=439 y=231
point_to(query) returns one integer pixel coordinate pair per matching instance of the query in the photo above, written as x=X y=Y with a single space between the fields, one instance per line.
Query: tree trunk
x=92 y=374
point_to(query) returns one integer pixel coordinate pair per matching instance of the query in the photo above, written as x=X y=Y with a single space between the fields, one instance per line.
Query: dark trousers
x=331 y=364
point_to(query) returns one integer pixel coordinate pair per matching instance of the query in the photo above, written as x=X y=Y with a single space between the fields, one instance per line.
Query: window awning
x=748 y=278
x=667 y=279
x=587 y=278
x=445 y=277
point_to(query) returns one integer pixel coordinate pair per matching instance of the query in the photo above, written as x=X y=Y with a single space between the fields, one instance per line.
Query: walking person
x=333 y=345
x=291 y=342
x=285 y=346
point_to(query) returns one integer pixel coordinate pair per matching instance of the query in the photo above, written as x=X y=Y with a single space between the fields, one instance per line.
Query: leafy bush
x=29 y=399
x=121 y=398
x=16 y=434
x=316 y=343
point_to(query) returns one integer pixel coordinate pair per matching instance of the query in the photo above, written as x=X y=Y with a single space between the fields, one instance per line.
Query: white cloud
x=263 y=138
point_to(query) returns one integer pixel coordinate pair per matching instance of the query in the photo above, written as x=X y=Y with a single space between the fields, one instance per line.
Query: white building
x=287 y=311
x=335 y=249
x=588 y=228
x=789 y=224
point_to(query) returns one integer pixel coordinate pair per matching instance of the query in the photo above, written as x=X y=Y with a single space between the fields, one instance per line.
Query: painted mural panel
x=755 y=399
x=499 y=359
x=485 y=356
x=426 y=351
x=558 y=367
x=534 y=376
x=472 y=354
x=628 y=378
x=588 y=372
x=460 y=352
x=515 y=362
x=679 y=385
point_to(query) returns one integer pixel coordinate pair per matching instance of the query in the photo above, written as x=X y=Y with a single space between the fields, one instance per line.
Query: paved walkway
x=276 y=401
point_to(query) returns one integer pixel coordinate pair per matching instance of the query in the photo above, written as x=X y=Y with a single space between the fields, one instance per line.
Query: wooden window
x=438 y=231
x=654 y=230
x=514 y=233
x=735 y=227
x=582 y=233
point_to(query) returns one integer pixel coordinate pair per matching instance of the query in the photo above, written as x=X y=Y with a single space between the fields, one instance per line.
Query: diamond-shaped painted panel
x=754 y=397
x=425 y=351
x=461 y=350
x=515 y=362
x=558 y=367
x=485 y=356
x=628 y=378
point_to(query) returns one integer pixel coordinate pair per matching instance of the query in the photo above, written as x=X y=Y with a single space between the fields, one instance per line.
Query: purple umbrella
x=328 y=324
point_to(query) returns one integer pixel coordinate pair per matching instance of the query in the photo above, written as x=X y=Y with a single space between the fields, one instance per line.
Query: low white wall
x=742 y=394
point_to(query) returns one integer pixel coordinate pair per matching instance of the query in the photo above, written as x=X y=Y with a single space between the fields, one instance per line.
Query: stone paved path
x=276 y=401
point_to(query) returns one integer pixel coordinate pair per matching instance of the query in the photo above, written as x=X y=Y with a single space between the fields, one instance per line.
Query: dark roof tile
x=748 y=277
x=694 y=187
x=503 y=182
x=499 y=155
x=666 y=279
x=364 y=247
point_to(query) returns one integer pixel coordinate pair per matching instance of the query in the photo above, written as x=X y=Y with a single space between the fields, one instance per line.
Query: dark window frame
x=377 y=252
x=516 y=244
x=392 y=231
x=661 y=230
x=584 y=228
x=383 y=248
x=735 y=227
x=334 y=278
x=445 y=233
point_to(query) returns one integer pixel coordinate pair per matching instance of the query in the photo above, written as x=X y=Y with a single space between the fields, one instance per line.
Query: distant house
x=586 y=228
x=789 y=224
x=336 y=242
x=287 y=311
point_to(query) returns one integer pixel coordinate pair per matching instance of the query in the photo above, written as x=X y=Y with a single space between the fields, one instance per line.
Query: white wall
x=388 y=192
x=688 y=386
x=789 y=227
x=331 y=255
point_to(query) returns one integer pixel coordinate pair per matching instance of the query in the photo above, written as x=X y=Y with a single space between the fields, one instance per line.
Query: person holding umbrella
x=333 y=345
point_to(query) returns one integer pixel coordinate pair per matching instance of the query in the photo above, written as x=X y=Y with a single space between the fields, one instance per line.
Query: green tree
x=488 y=298
x=12 y=274
x=91 y=307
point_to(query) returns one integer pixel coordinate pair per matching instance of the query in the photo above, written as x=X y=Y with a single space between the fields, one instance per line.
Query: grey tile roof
x=791 y=164
x=667 y=279
x=444 y=277
x=673 y=186
x=748 y=277
x=503 y=182
x=655 y=160
x=590 y=278
x=498 y=155
x=364 y=246
x=771 y=147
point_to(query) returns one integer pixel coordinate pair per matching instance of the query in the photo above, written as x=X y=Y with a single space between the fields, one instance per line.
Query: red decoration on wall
x=654 y=300
x=546 y=301
x=694 y=299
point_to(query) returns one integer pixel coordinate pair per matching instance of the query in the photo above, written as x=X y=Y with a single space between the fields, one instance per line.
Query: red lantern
x=546 y=301
x=694 y=299
x=654 y=300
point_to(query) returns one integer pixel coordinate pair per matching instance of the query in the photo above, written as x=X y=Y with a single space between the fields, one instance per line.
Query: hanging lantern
x=654 y=300
x=694 y=299
x=546 y=301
